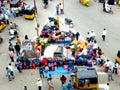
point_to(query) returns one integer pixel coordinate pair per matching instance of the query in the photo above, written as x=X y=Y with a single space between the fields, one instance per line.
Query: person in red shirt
x=63 y=79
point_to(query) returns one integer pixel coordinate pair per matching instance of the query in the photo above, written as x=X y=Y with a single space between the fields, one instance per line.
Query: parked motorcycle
x=69 y=22
x=12 y=34
x=110 y=11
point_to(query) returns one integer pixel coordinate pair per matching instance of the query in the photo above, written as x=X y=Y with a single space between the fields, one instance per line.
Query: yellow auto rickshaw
x=85 y=2
x=118 y=57
x=29 y=12
x=85 y=79
x=3 y=22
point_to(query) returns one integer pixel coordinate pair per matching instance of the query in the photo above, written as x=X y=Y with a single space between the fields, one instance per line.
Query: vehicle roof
x=14 y=2
x=89 y=73
x=1 y=16
x=29 y=7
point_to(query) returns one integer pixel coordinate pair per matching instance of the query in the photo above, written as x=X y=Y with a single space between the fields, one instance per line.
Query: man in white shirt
x=104 y=34
x=39 y=84
x=106 y=86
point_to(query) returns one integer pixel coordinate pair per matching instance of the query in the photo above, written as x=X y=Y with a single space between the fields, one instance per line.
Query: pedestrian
x=8 y=73
x=11 y=68
x=77 y=35
x=70 y=85
x=25 y=87
x=18 y=40
x=110 y=75
x=118 y=70
x=11 y=55
x=50 y=83
x=57 y=9
x=26 y=37
x=106 y=86
x=17 y=49
x=63 y=79
x=104 y=34
x=39 y=84
x=7 y=19
x=13 y=12
x=49 y=77
x=41 y=69
x=61 y=8
x=88 y=37
x=18 y=66
x=115 y=67
x=92 y=36
x=64 y=86
x=107 y=65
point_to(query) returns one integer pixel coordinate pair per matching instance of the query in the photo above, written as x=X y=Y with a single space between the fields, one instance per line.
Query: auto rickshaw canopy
x=87 y=74
x=14 y=3
x=30 y=9
x=118 y=57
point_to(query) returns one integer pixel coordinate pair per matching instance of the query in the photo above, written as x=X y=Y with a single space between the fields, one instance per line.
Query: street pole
x=63 y=5
x=36 y=21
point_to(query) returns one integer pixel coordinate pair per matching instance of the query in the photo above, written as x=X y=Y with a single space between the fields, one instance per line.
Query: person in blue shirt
x=70 y=85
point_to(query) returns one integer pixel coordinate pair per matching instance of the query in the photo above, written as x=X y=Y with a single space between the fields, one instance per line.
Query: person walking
x=118 y=72
x=106 y=86
x=115 y=67
x=63 y=79
x=50 y=83
x=11 y=55
x=70 y=85
x=18 y=40
x=39 y=84
x=25 y=88
x=77 y=35
x=64 y=85
x=104 y=34
x=11 y=68
x=57 y=9
x=8 y=73
x=110 y=75
x=61 y=8
x=17 y=49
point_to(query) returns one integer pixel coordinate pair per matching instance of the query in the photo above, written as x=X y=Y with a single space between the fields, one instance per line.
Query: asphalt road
x=84 y=19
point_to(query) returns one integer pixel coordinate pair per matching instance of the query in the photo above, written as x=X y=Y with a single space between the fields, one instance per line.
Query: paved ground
x=84 y=19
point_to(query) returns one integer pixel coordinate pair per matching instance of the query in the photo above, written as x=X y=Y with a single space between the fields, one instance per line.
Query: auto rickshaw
x=85 y=79
x=85 y=2
x=3 y=22
x=29 y=12
x=14 y=3
x=118 y=57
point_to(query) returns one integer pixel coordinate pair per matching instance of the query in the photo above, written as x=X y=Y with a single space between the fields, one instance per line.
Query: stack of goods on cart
x=86 y=53
x=29 y=57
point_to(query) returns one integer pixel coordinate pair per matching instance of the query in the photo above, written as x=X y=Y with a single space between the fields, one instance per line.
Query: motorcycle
x=12 y=34
x=110 y=11
x=69 y=22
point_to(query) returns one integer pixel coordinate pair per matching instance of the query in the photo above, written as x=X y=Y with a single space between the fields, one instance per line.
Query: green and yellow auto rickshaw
x=118 y=57
x=29 y=12
x=85 y=2
x=3 y=22
x=86 y=79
